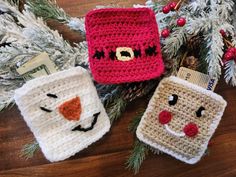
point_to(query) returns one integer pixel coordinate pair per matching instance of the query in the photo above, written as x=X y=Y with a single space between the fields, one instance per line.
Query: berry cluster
x=169 y=7
x=230 y=54
x=180 y=21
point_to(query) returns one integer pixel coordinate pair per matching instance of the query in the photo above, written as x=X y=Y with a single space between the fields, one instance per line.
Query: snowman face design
x=63 y=111
x=71 y=110
x=180 y=119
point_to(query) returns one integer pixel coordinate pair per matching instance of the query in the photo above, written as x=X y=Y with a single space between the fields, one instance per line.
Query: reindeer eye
x=99 y=54
x=150 y=51
x=172 y=100
x=200 y=112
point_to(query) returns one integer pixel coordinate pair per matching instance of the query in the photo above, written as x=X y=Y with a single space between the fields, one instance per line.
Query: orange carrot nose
x=71 y=109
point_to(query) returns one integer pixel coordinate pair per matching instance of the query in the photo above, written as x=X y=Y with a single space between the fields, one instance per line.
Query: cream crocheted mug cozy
x=180 y=119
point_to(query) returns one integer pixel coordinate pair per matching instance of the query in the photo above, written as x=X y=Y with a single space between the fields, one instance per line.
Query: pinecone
x=194 y=43
x=191 y=62
x=135 y=90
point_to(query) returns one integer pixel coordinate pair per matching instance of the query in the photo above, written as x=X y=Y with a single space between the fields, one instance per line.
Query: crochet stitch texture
x=123 y=45
x=195 y=114
x=63 y=111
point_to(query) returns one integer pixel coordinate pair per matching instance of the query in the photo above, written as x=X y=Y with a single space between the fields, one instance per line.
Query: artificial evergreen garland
x=204 y=20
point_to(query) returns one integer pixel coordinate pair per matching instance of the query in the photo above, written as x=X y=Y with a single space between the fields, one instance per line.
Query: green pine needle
x=29 y=149
x=14 y=1
x=140 y=150
x=135 y=122
x=154 y=151
x=139 y=153
x=48 y=9
x=116 y=108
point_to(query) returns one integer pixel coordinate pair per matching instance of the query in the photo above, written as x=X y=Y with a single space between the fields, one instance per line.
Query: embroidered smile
x=189 y=130
x=71 y=110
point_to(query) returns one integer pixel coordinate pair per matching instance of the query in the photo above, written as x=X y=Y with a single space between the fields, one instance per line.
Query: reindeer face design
x=123 y=45
x=63 y=111
x=180 y=119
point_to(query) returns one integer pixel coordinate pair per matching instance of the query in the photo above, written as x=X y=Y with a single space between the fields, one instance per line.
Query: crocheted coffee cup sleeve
x=180 y=119
x=63 y=111
x=124 y=45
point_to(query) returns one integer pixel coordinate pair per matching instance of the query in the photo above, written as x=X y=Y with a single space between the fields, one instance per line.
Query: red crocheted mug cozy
x=123 y=45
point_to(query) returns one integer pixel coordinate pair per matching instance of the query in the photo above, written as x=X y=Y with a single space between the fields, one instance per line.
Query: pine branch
x=13 y=1
x=116 y=108
x=173 y=43
x=137 y=156
x=215 y=53
x=29 y=150
x=230 y=72
x=140 y=150
x=135 y=121
x=155 y=151
x=48 y=9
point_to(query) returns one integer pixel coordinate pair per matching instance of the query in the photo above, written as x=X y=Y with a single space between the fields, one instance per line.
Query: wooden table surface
x=106 y=157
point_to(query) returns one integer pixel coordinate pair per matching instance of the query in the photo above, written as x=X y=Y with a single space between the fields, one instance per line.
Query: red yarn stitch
x=165 y=117
x=191 y=130
x=135 y=28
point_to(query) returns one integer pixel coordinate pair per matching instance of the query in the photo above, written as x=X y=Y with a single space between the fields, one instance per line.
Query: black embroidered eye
x=172 y=100
x=137 y=53
x=99 y=54
x=45 y=109
x=150 y=51
x=200 y=112
x=112 y=55
x=52 y=95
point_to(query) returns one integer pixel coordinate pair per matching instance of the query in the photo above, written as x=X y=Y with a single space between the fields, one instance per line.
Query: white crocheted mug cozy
x=63 y=111
x=180 y=119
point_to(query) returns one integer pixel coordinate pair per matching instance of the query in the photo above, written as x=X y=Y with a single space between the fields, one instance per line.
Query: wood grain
x=107 y=157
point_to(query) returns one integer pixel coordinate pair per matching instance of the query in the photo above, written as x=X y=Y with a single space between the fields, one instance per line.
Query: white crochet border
x=34 y=83
x=213 y=126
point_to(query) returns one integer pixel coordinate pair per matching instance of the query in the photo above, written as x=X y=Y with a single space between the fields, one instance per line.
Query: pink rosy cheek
x=191 y=130
x=165 y=117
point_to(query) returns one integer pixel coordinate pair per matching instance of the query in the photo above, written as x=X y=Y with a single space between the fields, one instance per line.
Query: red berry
x=234 y=52
x=228 y=56
x=181 y=21
x=172 y=6
x=222 y=32
x=191 y=130
x=165 y=33
x=166 y=9
x=165 y=117
x=231 y=49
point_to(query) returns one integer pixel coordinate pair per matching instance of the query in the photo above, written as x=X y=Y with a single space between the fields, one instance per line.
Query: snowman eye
x=200 y=112
x=172 y=100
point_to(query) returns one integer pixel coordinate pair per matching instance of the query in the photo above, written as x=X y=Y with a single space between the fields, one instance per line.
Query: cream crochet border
x=213 y=126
